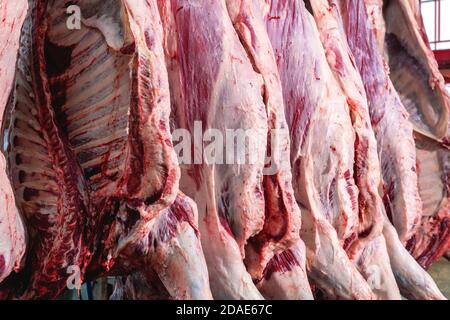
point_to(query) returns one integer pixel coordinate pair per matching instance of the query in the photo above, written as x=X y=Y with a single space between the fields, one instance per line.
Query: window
x=436 y=17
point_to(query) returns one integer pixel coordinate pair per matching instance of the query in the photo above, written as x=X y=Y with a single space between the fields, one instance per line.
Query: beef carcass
x=95 y=175
x=421 y=86
x=432 y=239
x=422 y=89
x=398 y=161
x=12 y=231
x=169 y=256
x=389 y=120
x=322 y=150
x=369 y=249
x=285 y=274
x=223 y=78
x=90 y=152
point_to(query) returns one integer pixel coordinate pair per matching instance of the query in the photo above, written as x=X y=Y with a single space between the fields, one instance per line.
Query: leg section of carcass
x=374 y=264
x=414 y=282
x=168 y=257
x=176 y=252
x=285 y=276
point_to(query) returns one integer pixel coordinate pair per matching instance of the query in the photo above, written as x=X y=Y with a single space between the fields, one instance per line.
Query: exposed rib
x=56 y=210
x=12 y=230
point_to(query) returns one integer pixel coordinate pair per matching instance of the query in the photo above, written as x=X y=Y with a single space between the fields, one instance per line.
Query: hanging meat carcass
x=342 y=62
x=415 y=74
x=223 y=76
x=390 y=122
x=90 y=152
x=369 y=249
x=94 y=172
x=322 y=149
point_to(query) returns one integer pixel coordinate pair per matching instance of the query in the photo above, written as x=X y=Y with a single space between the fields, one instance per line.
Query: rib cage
x=29 y=173
x=92 y=98
x=43 y=172
x=76 y=150
x=12 y=228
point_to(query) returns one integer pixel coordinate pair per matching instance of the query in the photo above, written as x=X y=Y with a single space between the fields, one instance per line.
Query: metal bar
x=442 y=41
x=435 y=24
x=438 y=20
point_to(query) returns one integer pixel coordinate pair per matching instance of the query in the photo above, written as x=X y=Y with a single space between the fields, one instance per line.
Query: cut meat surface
x=414 y=70
x=12 y=231
x=243 y=211
x=285 y=276
x=398 y=160
x=323 y=181
x=90 y=152
x=414 y=282
x=178 y=261
x=387 y=114
x=422 y=90
x=169 y=259
x=368 y=249
x=224 y=93
x=227 y=149
x=432 y=238
x=169 y=266
x=282 y=222
x=43 y=172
